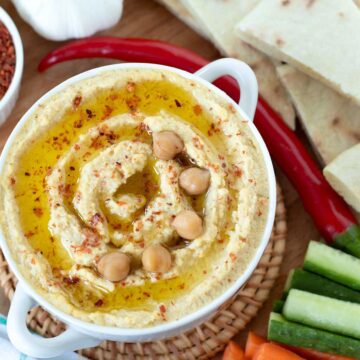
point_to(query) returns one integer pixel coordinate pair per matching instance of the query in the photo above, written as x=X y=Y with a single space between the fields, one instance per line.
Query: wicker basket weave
x=202 y=342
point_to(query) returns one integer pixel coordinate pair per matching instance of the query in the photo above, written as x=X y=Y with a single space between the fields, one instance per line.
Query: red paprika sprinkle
x=7 y=59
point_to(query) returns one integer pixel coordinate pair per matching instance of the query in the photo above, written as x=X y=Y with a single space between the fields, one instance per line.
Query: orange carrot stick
x=270 y=351
x=253 y=344
x=233 y=351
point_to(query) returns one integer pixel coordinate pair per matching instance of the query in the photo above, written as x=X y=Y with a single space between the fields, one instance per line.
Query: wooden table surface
x=145 y=18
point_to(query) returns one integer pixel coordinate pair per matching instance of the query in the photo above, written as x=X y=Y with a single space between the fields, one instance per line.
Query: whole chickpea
x=114 y=266
x=188 y=224
x=194 y=181
x=166 y=145
x=156 y=258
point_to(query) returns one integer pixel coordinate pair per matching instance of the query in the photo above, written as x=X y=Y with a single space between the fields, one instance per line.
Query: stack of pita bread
x=306 y=56
x=217 y=19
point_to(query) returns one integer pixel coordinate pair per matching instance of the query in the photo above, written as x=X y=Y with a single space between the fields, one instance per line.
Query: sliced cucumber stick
x=286 y=332
x=307 y=281
x=349 y=240
x=333 y=264
x=334 y=315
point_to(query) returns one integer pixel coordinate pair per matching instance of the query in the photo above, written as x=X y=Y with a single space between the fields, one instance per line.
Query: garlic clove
x=67 y=19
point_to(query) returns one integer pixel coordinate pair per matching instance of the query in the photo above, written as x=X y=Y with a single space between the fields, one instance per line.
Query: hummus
x=81 y=180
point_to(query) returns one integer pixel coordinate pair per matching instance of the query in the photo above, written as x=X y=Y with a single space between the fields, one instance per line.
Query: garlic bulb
x=65 y=19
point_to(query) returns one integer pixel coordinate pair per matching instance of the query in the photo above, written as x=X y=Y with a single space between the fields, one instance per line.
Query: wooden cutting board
x=145 y=18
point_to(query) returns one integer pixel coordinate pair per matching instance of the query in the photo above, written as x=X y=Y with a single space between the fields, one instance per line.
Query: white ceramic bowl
x=8 y=101
x=82 y=334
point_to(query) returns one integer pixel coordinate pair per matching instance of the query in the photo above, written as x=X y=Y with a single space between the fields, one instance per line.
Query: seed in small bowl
x=166 y=145
x=156 y=258
x=194 y=181
x=114 y=266
x=188 y=224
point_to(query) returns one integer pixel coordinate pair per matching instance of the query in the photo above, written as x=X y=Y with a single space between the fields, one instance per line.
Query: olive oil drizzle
x=148 y=97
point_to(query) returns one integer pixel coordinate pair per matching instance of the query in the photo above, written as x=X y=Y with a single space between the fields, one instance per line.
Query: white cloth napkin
x=8 y=352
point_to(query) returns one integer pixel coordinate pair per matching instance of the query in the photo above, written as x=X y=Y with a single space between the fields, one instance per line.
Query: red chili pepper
x=135 y=50
x=331 y=215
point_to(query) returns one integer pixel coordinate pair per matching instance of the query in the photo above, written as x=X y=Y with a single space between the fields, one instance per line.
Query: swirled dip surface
x=81 y=180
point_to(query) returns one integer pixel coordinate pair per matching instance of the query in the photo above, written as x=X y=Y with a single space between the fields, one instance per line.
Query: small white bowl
x=8 y=101
x=81 y=334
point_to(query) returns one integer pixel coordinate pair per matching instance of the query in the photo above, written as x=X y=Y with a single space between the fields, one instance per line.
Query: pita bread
x=218 y=18
x=331 y=121
x=319 y=37
x=181 y=12
x=343 y=174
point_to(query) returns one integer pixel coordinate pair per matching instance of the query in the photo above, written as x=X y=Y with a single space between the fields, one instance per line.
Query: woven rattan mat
x=201 y=342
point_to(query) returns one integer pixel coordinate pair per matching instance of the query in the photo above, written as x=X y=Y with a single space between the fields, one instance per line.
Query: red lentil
x=7 y=59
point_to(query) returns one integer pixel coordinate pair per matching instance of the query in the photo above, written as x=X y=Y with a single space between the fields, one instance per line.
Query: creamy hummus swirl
x=85 y=232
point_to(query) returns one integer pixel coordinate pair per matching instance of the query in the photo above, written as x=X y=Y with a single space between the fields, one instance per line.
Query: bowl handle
x=242 y=74
x=37 y=346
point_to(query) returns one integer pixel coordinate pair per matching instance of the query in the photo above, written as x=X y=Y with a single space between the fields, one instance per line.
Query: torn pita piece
x=331 y=121
x=181 y=12
x=343 y=174
x=217 y=18
x=319 y=37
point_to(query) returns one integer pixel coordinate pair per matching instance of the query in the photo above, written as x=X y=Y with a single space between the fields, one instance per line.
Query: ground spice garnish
x=95 y=219
x=99 y=303
x=233 y=257
x=38 y=211
x=7 y=59
x=133 y=103
x=78 y=124
x=76 y=101
x=89 y=113
x=64 y=189
x=71 y=280
x=197 y=109
x=29 y=234
x=130 y=86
